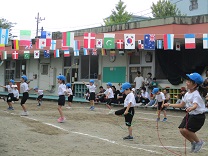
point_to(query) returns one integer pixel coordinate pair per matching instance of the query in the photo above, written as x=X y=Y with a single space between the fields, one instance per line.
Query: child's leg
x=24 y=108
x=60 y=111
x=165 y=113
x=191 y=136
x=130 y=130
x=93 y=103
x=158 y=113
x=9 y=104
x=69 y=104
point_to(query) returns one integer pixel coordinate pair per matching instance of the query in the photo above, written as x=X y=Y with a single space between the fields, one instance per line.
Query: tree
x=164 y=8
x=5 y=24
x=119 y=15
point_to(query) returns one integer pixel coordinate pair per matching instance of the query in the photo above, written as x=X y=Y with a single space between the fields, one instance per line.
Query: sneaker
x=61 y=120
x=111 y=111
x=193 y=144
x=198 y=146
x=92 y=108
x=128 y=137
x=158 y=119
x=24 y=114
x=10 y=108
x=38 y=104
x=68 y=107
x=164 y=120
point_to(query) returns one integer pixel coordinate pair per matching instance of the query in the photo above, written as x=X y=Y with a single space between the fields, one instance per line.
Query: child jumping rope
x=128 y=110
x=92 y=88
x=70 y=95
x=61 y=94
x=24 y=88
x=109 y=96
x=10 y=96
x=195 y=108
x=40 y=95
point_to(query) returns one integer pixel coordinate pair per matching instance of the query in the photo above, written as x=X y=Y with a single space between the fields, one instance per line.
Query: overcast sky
x=65 y=15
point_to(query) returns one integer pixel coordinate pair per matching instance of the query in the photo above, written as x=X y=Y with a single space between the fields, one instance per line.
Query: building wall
x=2 y=67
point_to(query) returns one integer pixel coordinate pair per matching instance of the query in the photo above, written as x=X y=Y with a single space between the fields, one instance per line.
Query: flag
x=36 y=54
x=4 y=55
x=99 y=43
x=29 y=46
x=109 y=41
x=119 y=44
x=205 y=41
x=76 y=53
x=190 y=41
x=89 y=40
x=103 y=52
x=129 y=40
x=26 y=54
x=15 y=55
x=4 y=36
x=94 y=51
x=48 y=36
x=68 y=39
x=25 y=37
x=53 y=45
x=178 y=46
x=159 y=44
x=168 y=40
x=66 y=53
x=15 y=44
x=86 y=51
x=149 y=41
x=121 y=53
x=41 y=43
x=2 y=46
x=112 y=53
x=140 y=44
x=56 y=53
x=46 y=54
x=76 y=45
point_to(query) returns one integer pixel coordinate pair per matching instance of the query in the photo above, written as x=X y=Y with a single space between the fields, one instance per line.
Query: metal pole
x=38 y=19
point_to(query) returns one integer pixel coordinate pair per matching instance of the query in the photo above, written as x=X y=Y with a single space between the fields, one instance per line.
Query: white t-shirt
x=91 y=88
x=139 y=81
x=24 y=87
x=40 y=92
x=16 y=93
x=130 y=99
x=69 y=91
x=61 y=89
x=145 y=94
x=194 y=97
x=160 y=97
x=9 y=88
x=109 y=93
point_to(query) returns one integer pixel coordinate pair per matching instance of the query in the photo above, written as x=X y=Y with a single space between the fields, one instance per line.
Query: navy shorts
x=40 y=97
x=70 y=98
x=159 y=105
x=24 y=98
x=61 y=100
x=10 y=97
x=92 y=96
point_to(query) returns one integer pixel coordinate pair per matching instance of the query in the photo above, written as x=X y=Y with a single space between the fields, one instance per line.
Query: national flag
x=119 y=44
x=149 y=42
x=15 y=44
x=140 y=44
x=113 y=53
x=129 y=40
x=68 y=39
x=48 y=36
x=94 y=51
x=25 y=37
x=89 y=40
x=121 y=53
x=41 y=43
x=36 y=54
x=2 y=46
x=86 y=51
x=76 y=52
x=15 y=55
x=66 y=53
x=178 y=46
x=99 y=43
x=76 y=45
x=4 y=55
x=4 y=36
x=46 y=54
x=109 y=41
x=159 y=44
x=53 y=45
x=205 y=41
x=168 y=41
x=29 y=46
x=26 y=54
x=103 y=52
x=56 y=53
x=190 y=41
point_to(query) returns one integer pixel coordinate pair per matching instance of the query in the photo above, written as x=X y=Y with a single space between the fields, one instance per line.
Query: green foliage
x=119 y=15
x=5 y=24
x=164 y=8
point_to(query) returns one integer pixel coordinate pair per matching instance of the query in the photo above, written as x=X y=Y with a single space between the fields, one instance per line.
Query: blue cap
x=92 y=81
x=109 y=84
x=125 y=86
x=35 y=88
x=68 y=85
x=197 y=78
x=12 y=81
x=24 y=77
x=61 y=77
x=155 y=90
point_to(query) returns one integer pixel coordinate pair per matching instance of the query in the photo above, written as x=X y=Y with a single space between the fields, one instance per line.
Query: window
x=67 y=61
x=44 y=69
x=135 y=58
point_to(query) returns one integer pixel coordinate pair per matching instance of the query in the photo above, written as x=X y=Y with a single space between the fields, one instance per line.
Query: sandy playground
x=89 y=133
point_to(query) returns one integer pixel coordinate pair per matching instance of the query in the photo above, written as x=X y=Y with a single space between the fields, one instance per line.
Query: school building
x=168 y=66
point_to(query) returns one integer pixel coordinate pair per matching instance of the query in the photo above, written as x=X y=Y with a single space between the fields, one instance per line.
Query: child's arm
x=3 y=86
x=180 y=105
x=127 y=109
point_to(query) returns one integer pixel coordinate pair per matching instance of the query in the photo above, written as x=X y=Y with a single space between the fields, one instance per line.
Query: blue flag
x=46 y=54
x=149 y=42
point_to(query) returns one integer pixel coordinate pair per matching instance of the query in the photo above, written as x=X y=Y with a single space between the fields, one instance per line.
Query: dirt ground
x=90 y=133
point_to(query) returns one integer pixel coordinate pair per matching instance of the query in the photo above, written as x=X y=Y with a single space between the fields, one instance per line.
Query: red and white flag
x=190 y=41
x=36 y=54
x=99 y=43
x=15 y=55
x=140 y=44
x=66 y=53
x=41 y=43
x=120 y=44
x=94 y=51
x=89 y=40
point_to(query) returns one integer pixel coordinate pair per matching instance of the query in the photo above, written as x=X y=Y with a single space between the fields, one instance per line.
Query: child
x=195 y=108
x=128 y=110
x=160 y=97
x=40 y=95
x=16 y=93
x=70 y=95
x=10 y=96
x=109 y=96
x=61 y=93
x=92 y=89
x=24 y=89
